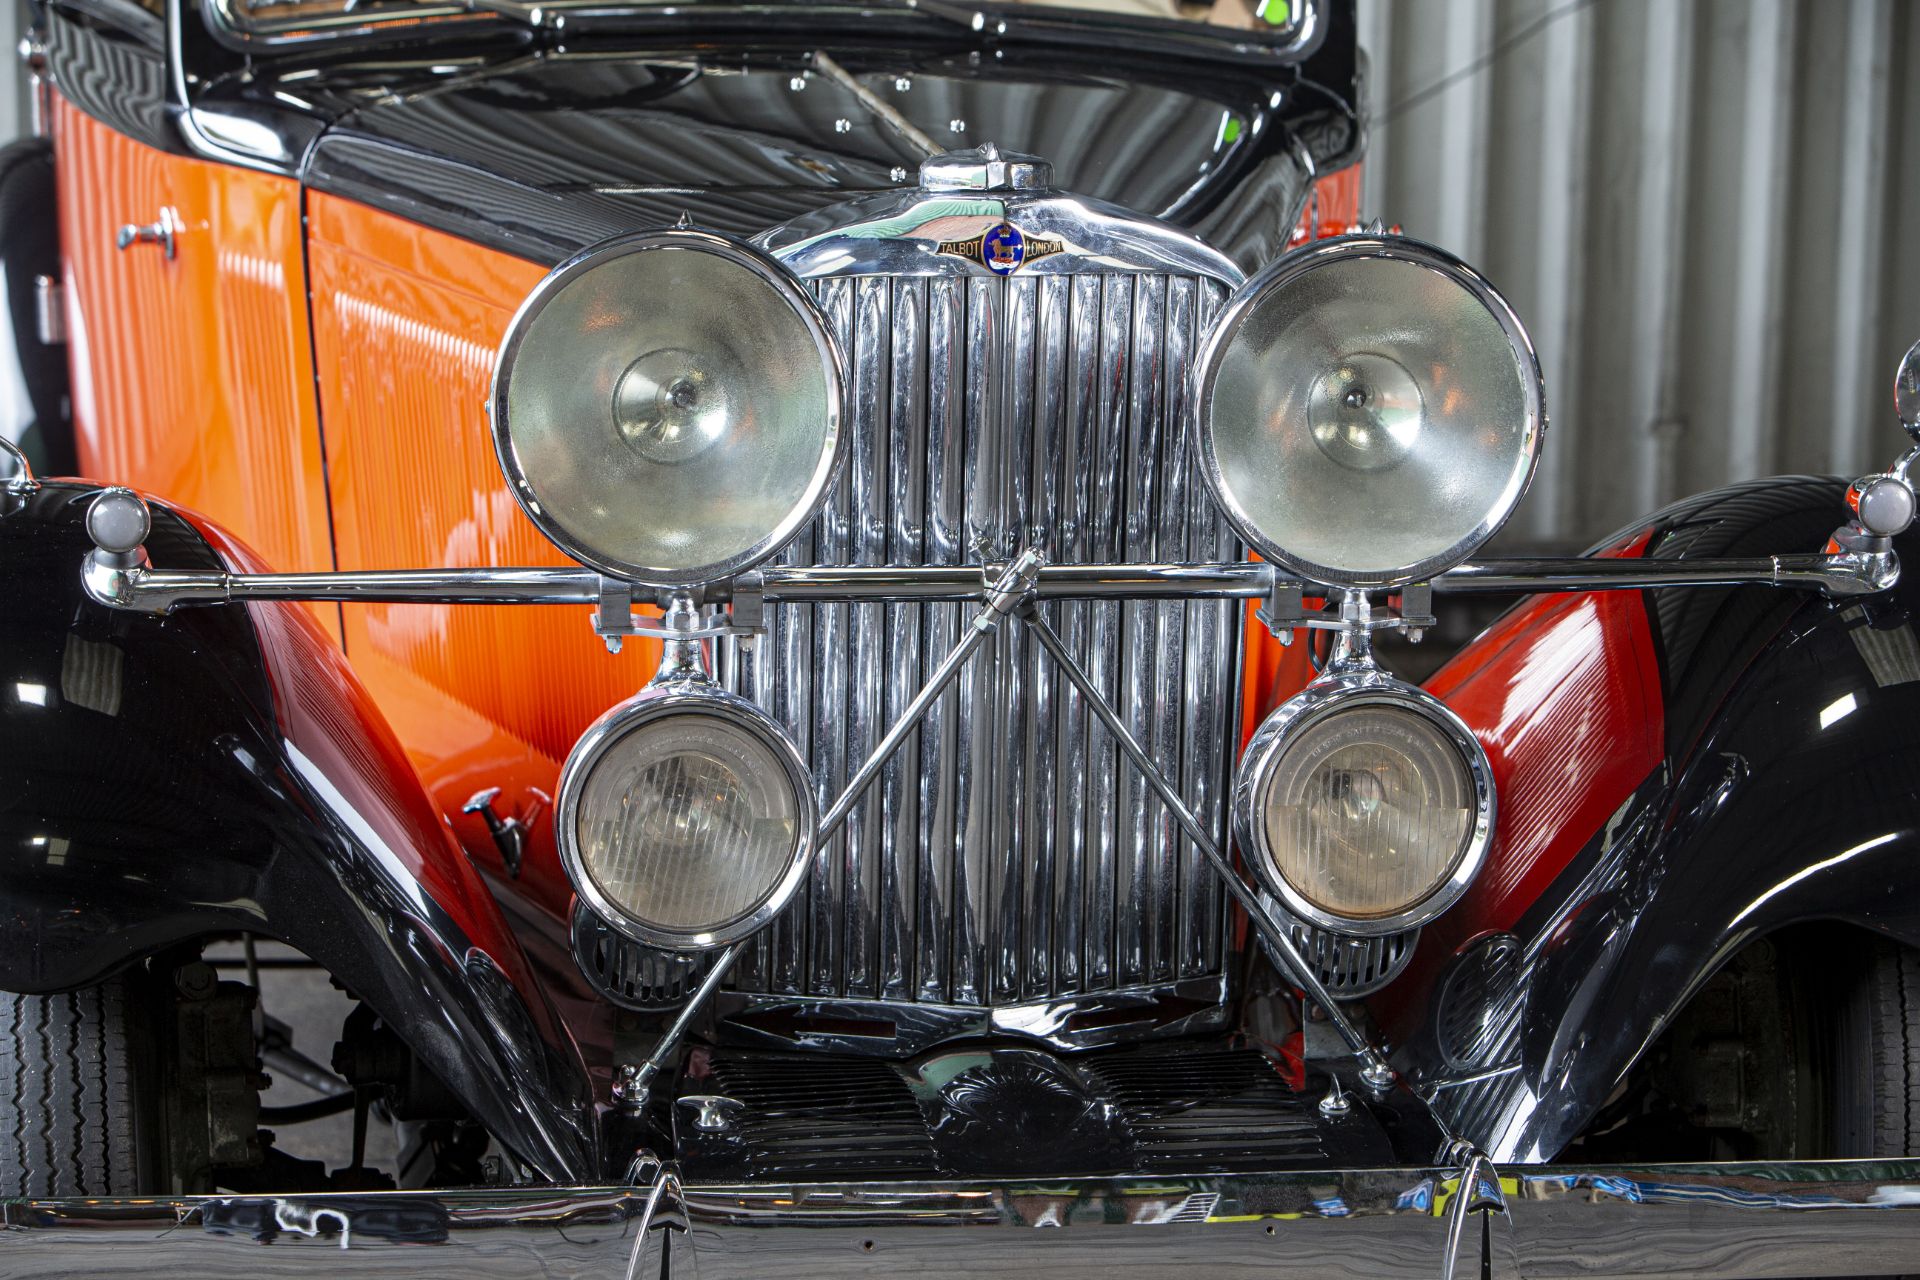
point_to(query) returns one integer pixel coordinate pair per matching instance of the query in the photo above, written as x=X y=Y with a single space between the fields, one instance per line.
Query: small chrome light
x=666 y=407
x=1370 y=411
x=685 y=819
x=1365 y=805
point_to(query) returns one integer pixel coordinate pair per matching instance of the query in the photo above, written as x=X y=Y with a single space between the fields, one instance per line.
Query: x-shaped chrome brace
x=1373 y=1067
x=1006 y=594
x=1011 y=592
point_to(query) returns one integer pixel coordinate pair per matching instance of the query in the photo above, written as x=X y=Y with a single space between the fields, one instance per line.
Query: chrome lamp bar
x=118 y=574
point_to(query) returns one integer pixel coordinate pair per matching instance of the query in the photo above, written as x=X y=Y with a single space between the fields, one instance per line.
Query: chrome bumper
x=1832 y=1218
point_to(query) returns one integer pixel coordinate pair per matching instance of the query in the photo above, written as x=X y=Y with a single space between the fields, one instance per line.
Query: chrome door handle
x=162 y=231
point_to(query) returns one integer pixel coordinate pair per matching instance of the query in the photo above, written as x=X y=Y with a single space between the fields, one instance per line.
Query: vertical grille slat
x=1106 y=475
x=1012 y=645
x=832 y=543
x=1077 y=482
x=940 y=735
x=907 y=478
x=1048 y=482
x=1008 y=854
x=872 y=358
x=1142 y=894
x=1190 y=689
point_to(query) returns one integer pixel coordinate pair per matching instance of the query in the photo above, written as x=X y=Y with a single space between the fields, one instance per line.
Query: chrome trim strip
x=1104 y=471
x=906 y=520
x=1842 y=574
x=1045 y=477
x=1145 y=881
x=862 y=856
x=832 y=543
x=147 y=590
x=1708 y=1222
x=902 y=233
x=193 y=121
x=979 y=748
x=1070 y=1022
x=942 y=807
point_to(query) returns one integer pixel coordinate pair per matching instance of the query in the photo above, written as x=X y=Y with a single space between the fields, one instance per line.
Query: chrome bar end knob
x=1884 y=504
x=119 y=522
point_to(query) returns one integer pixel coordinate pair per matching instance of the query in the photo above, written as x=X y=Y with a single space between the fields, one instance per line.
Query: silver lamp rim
x=1284 y=271
x=655 y=703
x=1327 y=696
x=790 y=291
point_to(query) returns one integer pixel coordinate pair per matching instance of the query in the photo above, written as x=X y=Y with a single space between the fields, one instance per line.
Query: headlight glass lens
x=666 y=408
x=686 y=825
x=1368 y=811
x=1371 y=412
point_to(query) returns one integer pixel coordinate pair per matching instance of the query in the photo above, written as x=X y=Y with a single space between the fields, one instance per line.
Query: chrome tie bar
x=124 y=580
x=634 y=1081
x=1374 y=1069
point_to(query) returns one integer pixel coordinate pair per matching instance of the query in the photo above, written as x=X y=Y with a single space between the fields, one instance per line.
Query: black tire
x=1875 y=1093
x=70 y=1120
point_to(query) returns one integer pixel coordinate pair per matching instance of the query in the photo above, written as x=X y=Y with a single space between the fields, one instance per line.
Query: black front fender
x=1789 y=793
x=163 y=779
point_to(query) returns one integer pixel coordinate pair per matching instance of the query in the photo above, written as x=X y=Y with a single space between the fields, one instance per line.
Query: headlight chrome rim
x=1325 y=697
x=649 y=706
x=1286 y=270
x=790 y=290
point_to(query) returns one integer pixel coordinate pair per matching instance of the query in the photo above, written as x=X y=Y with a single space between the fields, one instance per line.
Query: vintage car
x=785 y=595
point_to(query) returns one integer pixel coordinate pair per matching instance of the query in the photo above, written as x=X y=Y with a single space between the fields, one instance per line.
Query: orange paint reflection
x=406 y=323
x=191 y=375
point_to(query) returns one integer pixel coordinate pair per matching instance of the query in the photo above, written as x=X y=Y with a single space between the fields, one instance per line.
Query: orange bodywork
x=331 y=412
x=406 y=323
x=193 y=376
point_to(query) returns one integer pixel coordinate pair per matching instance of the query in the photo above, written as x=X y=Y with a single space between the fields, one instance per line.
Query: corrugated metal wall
x=1707 y=213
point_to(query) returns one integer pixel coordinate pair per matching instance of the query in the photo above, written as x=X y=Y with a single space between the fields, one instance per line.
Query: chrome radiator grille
x=1008 y=854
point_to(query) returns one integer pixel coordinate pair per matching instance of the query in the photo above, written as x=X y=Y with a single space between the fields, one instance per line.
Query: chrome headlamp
x=666 y=407
x=685 y=818
x=1364 y=805
x=1370 y=411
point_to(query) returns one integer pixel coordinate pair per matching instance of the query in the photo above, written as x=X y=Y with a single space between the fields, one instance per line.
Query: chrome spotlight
x=1365 y=805
x=1370 y=411
x=685 y=819
x=666 y=407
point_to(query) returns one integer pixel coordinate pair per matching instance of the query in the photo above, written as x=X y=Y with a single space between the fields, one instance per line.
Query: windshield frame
x=991 y=22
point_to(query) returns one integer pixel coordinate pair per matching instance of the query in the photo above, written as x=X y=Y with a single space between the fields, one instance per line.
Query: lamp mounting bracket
x=687 y=617
x=1285 y=611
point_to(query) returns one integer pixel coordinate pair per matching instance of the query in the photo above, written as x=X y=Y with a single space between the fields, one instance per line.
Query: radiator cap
x=985 y=169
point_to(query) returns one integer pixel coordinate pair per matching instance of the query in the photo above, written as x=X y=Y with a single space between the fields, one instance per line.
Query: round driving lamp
x=667 y=407
x=685 y=819
x=1364 y=805
x=1370 y=411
